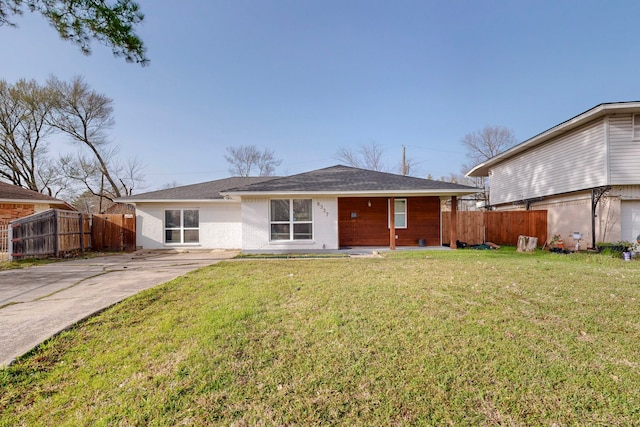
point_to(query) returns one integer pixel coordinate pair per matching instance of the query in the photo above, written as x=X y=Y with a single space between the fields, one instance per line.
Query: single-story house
x=329 y=208
x=17 y=202
x=585 y=172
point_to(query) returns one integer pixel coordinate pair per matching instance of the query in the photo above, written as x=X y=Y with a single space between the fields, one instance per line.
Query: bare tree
x=245 y=158
x=86 y=117
x=368 y=156
x=483 y=145
x=24 y=108
x=487 y=143
x=30 y=114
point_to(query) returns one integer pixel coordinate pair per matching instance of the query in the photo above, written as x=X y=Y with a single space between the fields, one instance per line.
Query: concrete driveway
x=39 y=302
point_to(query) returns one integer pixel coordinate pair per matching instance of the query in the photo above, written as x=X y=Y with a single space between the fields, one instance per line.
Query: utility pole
x=404 y=161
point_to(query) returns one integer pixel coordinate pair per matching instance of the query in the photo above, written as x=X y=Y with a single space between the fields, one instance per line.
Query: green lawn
x=414 y=338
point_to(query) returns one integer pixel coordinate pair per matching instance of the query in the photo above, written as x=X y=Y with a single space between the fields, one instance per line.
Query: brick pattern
x=11 y=211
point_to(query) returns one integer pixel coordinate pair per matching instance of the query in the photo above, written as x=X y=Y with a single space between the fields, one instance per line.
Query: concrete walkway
x=39 y=302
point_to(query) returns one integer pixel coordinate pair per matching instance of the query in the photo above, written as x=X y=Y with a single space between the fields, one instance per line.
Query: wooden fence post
x=453 y=223
x=56 y=238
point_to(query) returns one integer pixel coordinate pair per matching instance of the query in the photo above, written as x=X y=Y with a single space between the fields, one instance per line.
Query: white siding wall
x=624 y=152
x=256 y=234
x=574 y=161
x=220 y=226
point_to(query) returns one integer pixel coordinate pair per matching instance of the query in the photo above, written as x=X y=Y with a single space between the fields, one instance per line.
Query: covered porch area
x=394 y=222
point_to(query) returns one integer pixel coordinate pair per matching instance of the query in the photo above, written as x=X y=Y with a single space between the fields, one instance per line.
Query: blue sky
x=305 y=78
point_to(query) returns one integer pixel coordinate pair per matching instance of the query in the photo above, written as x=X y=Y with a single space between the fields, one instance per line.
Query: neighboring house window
x=181 y=226
x=291 y=219
x=636 y=126
x=400 y=213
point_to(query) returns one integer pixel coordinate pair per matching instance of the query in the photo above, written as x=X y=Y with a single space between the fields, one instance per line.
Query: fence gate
x=113 y=232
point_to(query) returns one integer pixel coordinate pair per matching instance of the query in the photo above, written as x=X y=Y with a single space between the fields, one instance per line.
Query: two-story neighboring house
x=585 y=172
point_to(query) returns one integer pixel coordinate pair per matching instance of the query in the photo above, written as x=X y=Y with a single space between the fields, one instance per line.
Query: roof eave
x=134 y=201
x=592 y=114
x=441 y=192
x=34 y=201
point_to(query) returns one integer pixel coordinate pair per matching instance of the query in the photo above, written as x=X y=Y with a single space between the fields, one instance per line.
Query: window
x=291 y=219
x=181 y=226
x=636 y=126
x=400 y=213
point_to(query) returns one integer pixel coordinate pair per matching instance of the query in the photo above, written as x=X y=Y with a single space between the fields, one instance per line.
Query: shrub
x=615 y=250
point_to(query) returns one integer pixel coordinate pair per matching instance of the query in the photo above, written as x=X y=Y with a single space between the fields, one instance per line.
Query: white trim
x=635 y=127
x=406 y=214
x=291 y=222
x=134 y=201
x=607 y=158
x=182 y=227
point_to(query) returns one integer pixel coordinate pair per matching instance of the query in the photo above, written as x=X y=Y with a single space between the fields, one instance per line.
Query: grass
x=414 y=338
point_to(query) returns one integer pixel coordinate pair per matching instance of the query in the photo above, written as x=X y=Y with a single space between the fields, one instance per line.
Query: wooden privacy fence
x=113 y=232
x=57 y=233
x=502 y=228
x=50 y=233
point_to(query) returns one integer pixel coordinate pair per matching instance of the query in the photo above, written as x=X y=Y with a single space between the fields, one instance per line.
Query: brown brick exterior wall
x=11 y=211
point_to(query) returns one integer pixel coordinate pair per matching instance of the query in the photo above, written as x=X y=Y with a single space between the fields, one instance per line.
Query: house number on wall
x=323 y=209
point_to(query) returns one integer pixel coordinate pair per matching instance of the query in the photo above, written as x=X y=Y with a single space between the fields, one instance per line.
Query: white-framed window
x=399 y=213
x=181 y=226
x=636 y=126
x=291 y=219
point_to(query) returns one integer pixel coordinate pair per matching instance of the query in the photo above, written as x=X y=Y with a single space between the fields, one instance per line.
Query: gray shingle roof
x=209 y=190
x=348 y=179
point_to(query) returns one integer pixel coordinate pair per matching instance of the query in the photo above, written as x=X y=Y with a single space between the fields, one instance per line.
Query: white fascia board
x=483 y=168
x=134 y=201
x=443 y=192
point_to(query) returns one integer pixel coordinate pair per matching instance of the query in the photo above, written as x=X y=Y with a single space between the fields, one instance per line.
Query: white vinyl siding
x=571 y=162
x=624 y=151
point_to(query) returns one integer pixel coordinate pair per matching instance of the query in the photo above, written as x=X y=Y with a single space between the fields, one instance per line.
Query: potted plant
x=556 y=242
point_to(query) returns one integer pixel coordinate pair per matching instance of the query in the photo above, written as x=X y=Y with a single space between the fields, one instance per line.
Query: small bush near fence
x=616 y=250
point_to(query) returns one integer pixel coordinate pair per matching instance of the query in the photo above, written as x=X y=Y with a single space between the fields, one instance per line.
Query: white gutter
x=134 y=201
